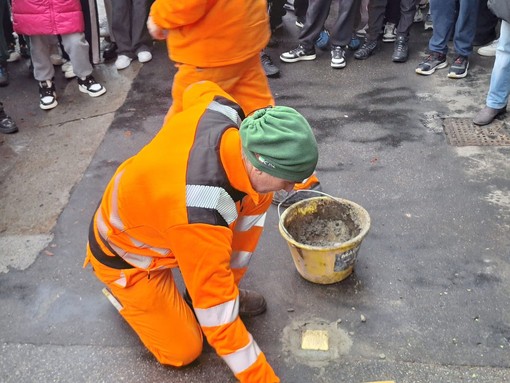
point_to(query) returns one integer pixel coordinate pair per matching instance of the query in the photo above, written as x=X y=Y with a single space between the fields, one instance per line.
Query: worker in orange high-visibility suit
x=200 y=207
x=219 y=41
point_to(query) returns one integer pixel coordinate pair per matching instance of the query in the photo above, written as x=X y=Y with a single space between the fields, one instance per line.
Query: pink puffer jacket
x=47 y=17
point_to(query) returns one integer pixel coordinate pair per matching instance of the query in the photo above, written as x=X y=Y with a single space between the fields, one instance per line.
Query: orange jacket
x=185 y=200
x=210 y=33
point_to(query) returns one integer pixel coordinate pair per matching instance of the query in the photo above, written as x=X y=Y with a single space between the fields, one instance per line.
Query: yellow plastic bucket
x=324 y=235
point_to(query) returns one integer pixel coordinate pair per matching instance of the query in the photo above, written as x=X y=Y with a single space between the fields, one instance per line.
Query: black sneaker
x=300 y=22
x=110 y=51
x=401 y=49
x=366 y=50
x=91 y=86
x=337 y=57
x=47 y=95
x=270 y=69
x=434 y=61
x=459 y=68
x=298 y=54
x=7 y=125
x=4 y=76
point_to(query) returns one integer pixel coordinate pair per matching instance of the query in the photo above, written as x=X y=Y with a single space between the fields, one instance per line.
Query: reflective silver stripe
x=141 y=261
x=114 y=214
x=212 y=197
x=240 y=259
x=243 y=358
x=227 y=111
x=219 y=315
x=245 y=223
x=122 y=281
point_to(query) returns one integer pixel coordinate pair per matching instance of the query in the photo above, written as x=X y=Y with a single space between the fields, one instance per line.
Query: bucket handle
x=291 y=195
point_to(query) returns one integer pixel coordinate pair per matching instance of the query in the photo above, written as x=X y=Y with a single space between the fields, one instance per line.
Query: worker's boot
x=251 y=303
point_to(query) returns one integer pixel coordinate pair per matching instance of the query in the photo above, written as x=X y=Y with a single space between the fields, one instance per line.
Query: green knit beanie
x=280 y=142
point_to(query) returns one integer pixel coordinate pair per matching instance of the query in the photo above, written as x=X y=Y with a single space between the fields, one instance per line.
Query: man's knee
x=179 y=357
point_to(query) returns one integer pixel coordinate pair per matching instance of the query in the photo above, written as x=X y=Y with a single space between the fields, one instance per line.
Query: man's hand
x=156 y=32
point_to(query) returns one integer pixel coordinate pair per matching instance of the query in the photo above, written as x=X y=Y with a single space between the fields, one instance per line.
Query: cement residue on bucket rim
x=360 y=217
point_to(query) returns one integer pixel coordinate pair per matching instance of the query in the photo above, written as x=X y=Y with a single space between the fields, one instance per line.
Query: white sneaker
x=13 y=56
x=57 y=59
x=67 y=68
x=144 y=56
x=428 y=25
x=489 y=50
x=122 y=62
x=390 y=33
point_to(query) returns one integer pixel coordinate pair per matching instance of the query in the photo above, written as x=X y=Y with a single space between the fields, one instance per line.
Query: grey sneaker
x=434 y=61
x=428 y=25
x=337 y=57
x=459 y=68
x=390 y=33
x=401 y=49
x=270 y=69
x=487 y=115
x=298 y=54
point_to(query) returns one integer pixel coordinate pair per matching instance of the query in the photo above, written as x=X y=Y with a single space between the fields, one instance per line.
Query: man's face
x=266 y=183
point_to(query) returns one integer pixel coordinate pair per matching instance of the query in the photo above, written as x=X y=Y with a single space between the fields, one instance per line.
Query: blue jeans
x=499 y=89
x=448 y=21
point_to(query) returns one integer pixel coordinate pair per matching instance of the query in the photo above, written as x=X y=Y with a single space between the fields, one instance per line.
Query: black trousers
x=316 y=16
x=486 y=25
x=376 y=15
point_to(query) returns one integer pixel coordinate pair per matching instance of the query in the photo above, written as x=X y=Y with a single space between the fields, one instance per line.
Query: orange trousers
x=155 y=309
x=246 y=82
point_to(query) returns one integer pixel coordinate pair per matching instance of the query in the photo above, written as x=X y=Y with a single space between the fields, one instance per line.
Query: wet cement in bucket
x=331 y=224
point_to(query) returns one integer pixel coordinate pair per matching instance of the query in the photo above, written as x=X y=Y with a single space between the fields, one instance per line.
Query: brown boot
x=251 y=303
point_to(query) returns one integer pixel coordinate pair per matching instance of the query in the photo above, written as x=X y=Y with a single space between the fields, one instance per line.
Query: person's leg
x=300 y=8
x=499 y=89
x=485 y=25
x=341 y=31
x=276 y=13
x=465 y=27
x=245 y=81
x=407 y=10
x=443 y=16
x=376 y=10
x=78 y=50
x=392 y=14
x=40 y=54
x=121 y=27
x=40 y=50
x=140 y=38
x=156 y=311
x=251 y=90
x=4 y=51
x=316 y=15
